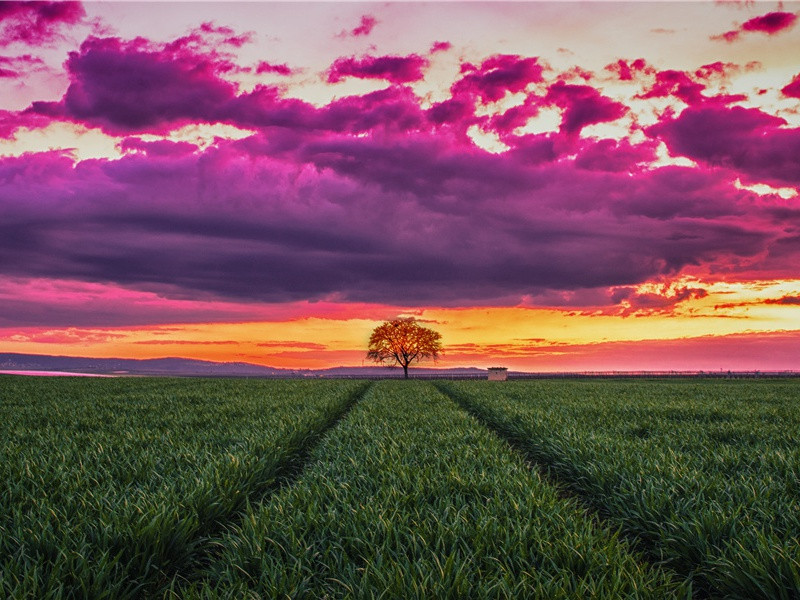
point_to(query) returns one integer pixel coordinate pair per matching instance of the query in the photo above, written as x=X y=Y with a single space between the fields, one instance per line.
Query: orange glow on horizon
x=527 y=338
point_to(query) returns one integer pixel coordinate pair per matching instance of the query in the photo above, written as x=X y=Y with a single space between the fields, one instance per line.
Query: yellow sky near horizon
x=476 y=336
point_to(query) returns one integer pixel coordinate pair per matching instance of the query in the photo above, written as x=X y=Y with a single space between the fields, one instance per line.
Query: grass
x=115 y=487
x=219 y=488
x=409 y=497
x=705 y=475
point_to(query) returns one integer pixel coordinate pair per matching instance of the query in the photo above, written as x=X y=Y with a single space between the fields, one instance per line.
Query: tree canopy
x=403 y=341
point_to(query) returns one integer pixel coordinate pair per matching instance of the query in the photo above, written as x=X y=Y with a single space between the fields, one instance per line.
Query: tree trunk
x=405 y=371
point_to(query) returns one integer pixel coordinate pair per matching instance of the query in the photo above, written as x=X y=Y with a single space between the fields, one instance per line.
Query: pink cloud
x=728 y=36
x=157 y=148
x=716 y=69
x=224 y=35
x=496 y=76
x=681 y=85
x=627 y=70
x=792 y=89
x=363 y=29
x=770 y=23
x=36 y=23
x=11 y=122
x=17 y=66
x=292 y=344
x=267 y=67
x=516 y=116
x=583 y=105
x=372 y=197
x=187 y=343
x=678 y=84
x=396 y=69
x=47 y=303
x=640 y=304
x=440 y=47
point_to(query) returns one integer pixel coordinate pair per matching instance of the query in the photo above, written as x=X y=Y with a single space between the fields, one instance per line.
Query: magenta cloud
x=130 y=86
x=362 y=219
x=498 y=75
x=36 y=23
x=268 y=67
x=363 y=29
x=792 y=89
x=751 y=142
x=396 y=69
x=16 y=67
x=384 y=196
x=770 y=23
x=583 y=105
x=440 y=47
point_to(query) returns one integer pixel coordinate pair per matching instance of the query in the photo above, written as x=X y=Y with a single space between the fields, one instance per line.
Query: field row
x=113 y=486
x=706 y=475
x=128 y=488
x=411 y=498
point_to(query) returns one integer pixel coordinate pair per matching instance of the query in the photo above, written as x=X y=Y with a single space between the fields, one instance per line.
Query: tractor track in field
x=293 y=465
x=567 y=490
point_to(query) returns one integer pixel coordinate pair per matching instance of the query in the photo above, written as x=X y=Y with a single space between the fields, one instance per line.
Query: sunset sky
x=550 y=185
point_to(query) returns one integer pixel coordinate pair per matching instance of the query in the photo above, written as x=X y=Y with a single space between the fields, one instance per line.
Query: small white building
x=498 y=373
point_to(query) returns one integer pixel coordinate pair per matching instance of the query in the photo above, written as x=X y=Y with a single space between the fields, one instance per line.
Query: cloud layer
x=387 y=196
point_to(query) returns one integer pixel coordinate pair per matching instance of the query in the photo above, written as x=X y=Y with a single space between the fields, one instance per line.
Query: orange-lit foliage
x=403 y=341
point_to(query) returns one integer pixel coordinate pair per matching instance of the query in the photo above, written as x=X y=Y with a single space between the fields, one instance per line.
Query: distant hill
x=191 y=367
x=129 y=366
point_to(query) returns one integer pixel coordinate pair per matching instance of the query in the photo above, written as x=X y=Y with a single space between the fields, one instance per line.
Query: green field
x=226 y=488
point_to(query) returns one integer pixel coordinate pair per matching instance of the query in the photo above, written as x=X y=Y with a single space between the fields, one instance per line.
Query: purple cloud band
x=384 y=198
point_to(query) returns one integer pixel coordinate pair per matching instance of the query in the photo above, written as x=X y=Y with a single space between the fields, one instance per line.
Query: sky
x=553 y=186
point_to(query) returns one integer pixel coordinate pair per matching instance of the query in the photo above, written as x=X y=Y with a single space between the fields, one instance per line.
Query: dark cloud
x=785 y=300
x=378 y=197
x=268 y=67
x=748 y=140
x=615 y=156
x=496 y=76
x=131 y=86
x=413 y=219
x=396 y=69
x=36 y=23
x=770 y=23
x=583 y=105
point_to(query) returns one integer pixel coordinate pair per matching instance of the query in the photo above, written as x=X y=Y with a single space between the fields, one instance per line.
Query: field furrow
x=705 y=474
x=410 y=497
x=116 y=487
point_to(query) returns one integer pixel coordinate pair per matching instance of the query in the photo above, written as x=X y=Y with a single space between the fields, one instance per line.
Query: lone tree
x=403 y=341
